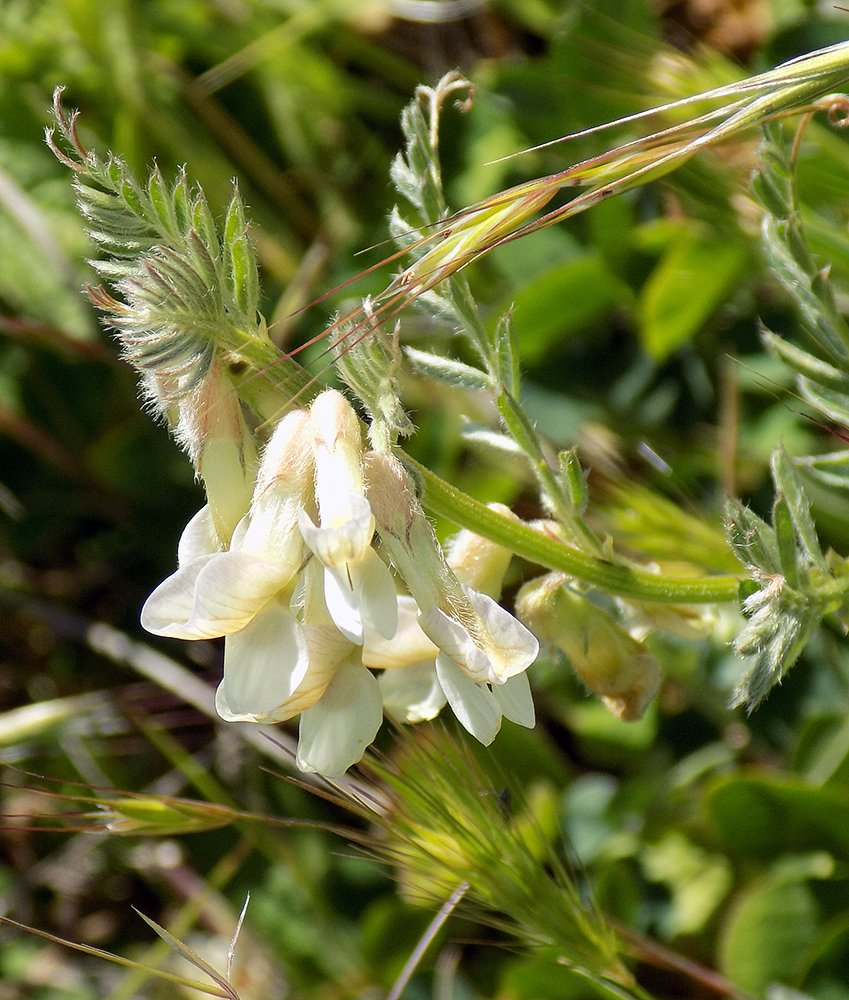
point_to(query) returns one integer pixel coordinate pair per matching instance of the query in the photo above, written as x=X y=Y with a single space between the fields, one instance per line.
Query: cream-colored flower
x=480 y=651
x=245 y=593
x=215 y=592
x=285 y=652
x=358 y=585
x=337 y=698
x=308 y=608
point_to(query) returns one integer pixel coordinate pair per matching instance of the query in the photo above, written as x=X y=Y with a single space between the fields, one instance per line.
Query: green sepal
x=751 y=538
x=798 y=509
x=201 y=261
x=204 y=225
x=244 y=274
x=507 y=353
x=447 y=370
x=785 y=537
x=160 y=200
x=234 y=224
x=181 y=200
x=573 y=481
x=129 y=191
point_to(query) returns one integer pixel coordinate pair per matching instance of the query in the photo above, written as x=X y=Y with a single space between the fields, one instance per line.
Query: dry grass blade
x=225 y=990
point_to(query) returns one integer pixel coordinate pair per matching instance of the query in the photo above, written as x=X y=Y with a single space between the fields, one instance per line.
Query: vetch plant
x=290 y=559
x=314 y=557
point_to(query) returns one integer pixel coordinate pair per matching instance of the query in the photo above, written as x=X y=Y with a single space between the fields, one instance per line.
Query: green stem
x=622 y=581
x=272 y=380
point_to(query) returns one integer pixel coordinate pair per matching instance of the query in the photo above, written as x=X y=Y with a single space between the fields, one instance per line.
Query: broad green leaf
x=767 y=817
x=563 y=301
x=687 y=286
x=697 y=881
x=770 y=935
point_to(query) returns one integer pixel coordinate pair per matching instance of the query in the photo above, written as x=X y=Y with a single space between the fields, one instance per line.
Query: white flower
x=246 y=592
x=481 y=652
x=358 y=585
x=308 y=608
x=284 y=651
x=216 y=593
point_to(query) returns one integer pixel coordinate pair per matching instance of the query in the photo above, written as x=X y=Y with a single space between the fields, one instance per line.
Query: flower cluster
x=310 y=607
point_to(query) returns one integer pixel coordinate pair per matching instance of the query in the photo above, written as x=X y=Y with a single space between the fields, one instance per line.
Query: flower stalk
x=616 y=579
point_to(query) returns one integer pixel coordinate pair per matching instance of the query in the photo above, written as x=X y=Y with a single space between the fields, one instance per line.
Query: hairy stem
x=447 y=501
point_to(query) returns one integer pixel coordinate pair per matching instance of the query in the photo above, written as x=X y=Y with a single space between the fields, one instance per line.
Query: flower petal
x=474 y=704
x=512 y=648
x=456 y=643
x=501 y=647
x=214 y=595
x=342 y=606
x=271 y=530
x=170 y=605
x=412 y=694
x=328 y=649
x=336 y=730
x=375 y=591
x=198 y=538
x=344 y=542
x=338 y=443
x=514 y=697
x=409 y=644
x=264 y=663
x=362 y=595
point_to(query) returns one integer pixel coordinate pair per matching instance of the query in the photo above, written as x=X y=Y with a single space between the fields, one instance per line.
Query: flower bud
x=482 y=639
x=338 y=456
x=359 y=588
x=689 y=621
x=222 y=448
x=478 y=562
x=609 y=661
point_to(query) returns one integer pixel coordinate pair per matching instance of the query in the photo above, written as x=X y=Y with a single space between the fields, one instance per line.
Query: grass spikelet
x=449 y=826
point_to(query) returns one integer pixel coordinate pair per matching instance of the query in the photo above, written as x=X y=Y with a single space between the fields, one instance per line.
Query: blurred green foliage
x=721 y=837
